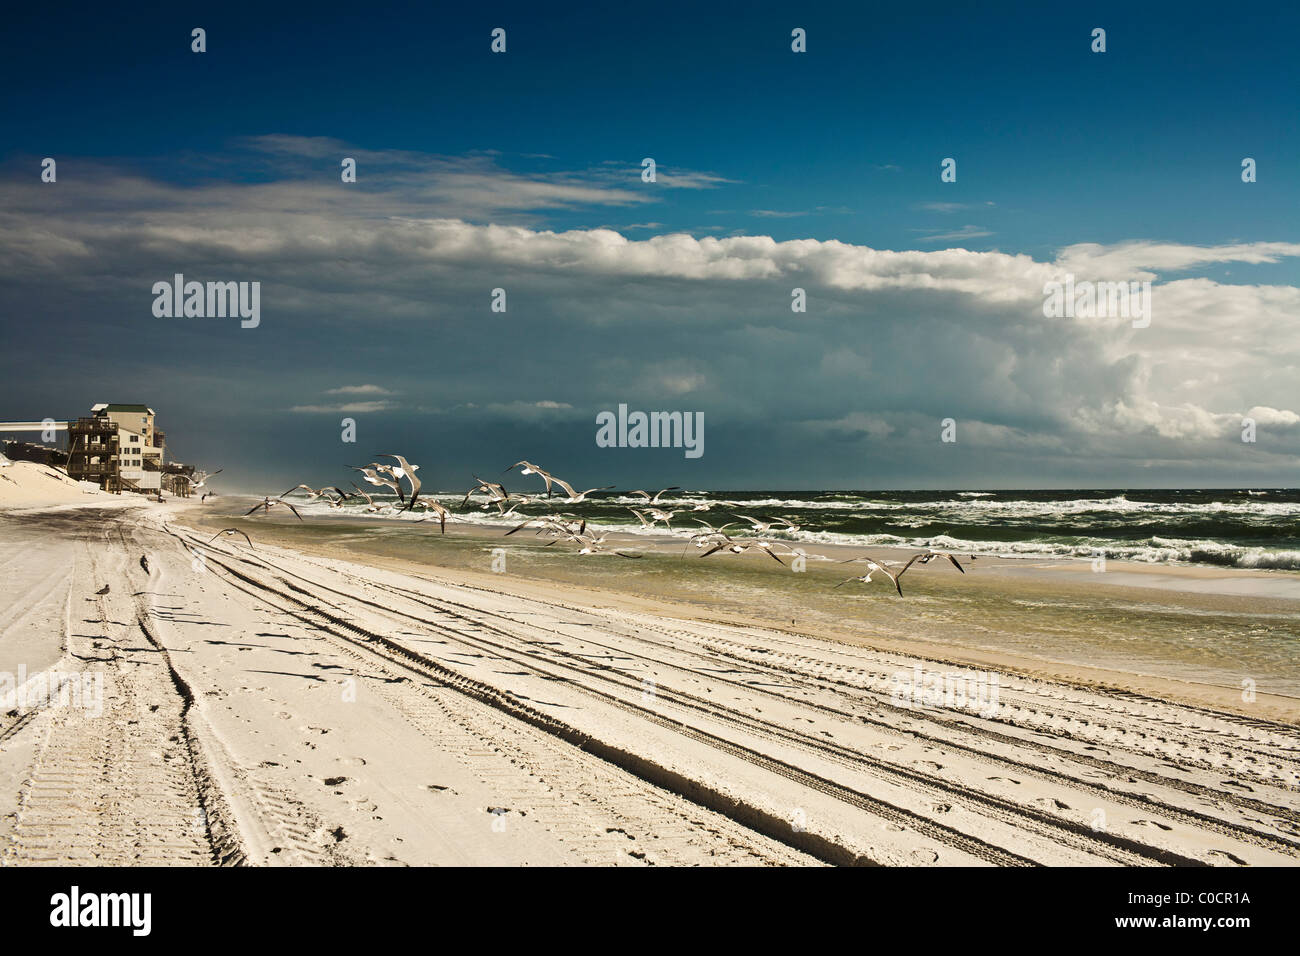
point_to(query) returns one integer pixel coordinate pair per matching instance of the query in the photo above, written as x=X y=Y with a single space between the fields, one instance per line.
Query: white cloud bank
x=891 y=339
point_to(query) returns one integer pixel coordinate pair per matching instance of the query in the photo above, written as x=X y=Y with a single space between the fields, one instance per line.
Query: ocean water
x=1242 y=528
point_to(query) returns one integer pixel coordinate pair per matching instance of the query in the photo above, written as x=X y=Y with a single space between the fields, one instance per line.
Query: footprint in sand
x=927 y=763
x=1151 y=823
x=1235 y=859
x=1238 y=786
x=1006 y=780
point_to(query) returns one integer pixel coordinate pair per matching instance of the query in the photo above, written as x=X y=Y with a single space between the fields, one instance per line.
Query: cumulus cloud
x=358 y=390
x=355 y=408
x=1145 y=259
x=391 y=285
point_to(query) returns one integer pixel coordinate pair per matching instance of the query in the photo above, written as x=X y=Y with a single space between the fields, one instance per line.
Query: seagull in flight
x=575 y=496
x=203 y=480
x=925 y=557
x=767 y=524
x=531 y=469
x=519 y=501
x=494 y=490
x=313 y=494
x=429 y=504
x=231 y=531
x=874 y=567
x=370 y=502
x=371 y=474
x=655 y=515
x=268 y=503
x=408 y=470
x=654 y=500
x=702 y=539
x=593 y=545
x=555 y=525
x=740 y=547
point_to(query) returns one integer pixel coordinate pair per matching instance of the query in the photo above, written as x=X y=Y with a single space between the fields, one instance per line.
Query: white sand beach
x=275 y=705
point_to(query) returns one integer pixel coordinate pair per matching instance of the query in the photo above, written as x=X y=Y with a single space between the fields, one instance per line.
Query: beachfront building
x=28 y=451
x=178 y=479
x=92 y=452
x=118 y=447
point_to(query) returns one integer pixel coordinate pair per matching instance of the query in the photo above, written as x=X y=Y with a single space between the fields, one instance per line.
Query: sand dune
x=266 y=706
x=25 y=484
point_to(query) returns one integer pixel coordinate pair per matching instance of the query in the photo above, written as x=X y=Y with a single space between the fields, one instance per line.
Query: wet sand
x=1193 y=634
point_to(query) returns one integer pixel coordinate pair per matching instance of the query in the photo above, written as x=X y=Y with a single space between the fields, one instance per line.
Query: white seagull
x=575 y=496
x=875 y=566
x=429 y=504
x=406 y=470
x=231 y=531
x=531 y=469
x=268 y=503
x=655 y=499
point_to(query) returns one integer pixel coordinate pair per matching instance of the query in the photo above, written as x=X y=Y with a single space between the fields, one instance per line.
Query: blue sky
x=1056 y=147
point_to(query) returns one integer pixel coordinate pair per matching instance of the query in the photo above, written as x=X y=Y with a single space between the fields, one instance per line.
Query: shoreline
x=366 y=540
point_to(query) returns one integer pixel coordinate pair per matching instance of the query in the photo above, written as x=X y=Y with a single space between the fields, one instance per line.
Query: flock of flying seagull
x=568 y=527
